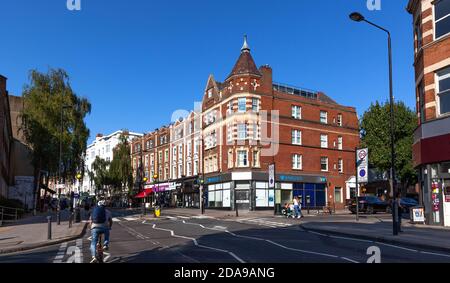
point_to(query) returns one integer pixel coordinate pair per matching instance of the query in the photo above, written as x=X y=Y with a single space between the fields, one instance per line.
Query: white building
x=103 y=147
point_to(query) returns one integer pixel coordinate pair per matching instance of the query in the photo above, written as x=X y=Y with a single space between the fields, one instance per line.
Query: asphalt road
x=183 y=239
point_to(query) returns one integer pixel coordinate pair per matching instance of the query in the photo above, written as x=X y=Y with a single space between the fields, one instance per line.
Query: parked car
x=370 y=205
x=407 y=203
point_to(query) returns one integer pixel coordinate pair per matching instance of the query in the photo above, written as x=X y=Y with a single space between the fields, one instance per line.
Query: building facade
x=247 y=123
x=251 y=122
x=6 y=141
x=431 y=149
x=102 y=147
x=173 y=154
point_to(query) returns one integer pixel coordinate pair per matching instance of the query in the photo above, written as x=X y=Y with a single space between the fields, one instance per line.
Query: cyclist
x=101 y=223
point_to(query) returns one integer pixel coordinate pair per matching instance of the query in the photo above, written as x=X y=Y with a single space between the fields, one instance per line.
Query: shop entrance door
x=243 y=199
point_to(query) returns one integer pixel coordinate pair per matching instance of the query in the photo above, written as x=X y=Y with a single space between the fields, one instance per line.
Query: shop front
x=250 y=191
x=435 y=181
x=188 y=194
x=163 y=194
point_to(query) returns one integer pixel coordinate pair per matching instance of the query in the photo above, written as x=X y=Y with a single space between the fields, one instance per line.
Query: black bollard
x=49 y=232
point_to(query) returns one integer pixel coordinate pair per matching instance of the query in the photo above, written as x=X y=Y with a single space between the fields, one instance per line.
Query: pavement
x=186 y=236
x=32 y=232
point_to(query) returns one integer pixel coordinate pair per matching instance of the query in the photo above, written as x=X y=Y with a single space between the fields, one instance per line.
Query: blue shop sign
x=213 y=180
x=301 y=179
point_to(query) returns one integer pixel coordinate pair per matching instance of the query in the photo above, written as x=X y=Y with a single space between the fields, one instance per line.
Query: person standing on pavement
x=296 y=208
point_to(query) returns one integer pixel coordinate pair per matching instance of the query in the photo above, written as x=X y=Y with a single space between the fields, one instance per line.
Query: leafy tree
x=44 y=97
x=121 y=171
x=376 y=135
x=100 y=172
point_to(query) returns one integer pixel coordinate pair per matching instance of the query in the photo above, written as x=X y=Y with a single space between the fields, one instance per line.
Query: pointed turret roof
x=245 y=64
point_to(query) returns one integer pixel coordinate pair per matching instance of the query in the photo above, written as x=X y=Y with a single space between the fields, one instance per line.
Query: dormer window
x=210 y=93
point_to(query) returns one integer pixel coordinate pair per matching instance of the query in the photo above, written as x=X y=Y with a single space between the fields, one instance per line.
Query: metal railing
x=10 y=214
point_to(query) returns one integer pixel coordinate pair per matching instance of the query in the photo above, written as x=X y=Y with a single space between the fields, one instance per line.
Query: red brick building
x=431 y=149
x=250 y=122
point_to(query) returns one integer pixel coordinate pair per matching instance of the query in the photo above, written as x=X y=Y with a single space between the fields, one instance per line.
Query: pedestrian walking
x=296 y=207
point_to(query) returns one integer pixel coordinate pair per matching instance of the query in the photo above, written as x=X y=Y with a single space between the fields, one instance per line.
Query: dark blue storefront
x=310 y=195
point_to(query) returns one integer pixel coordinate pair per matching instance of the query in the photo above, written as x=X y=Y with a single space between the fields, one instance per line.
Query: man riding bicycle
x=101 y=223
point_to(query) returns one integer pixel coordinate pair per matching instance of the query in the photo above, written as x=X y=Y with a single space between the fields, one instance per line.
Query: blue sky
x=137 y=61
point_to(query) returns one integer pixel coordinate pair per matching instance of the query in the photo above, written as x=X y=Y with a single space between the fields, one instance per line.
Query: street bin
x=417 y=215
x=157 y=211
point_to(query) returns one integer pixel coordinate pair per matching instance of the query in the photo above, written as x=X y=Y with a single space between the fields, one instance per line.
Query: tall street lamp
x=357 y=17
x=77 y=208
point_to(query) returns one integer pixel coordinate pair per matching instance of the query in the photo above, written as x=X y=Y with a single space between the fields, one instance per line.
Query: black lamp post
x=357 y=17
x=77 y=208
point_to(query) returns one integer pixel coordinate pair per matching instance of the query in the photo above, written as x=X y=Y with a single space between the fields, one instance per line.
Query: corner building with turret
x=249 y=122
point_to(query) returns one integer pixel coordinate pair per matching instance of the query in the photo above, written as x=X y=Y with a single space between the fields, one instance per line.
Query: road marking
x=271 y=242
x=398 y=247
x=353 y=261
x=317 y=233
x=61 y=253
x=130 y=218
x=116 y=220
x=183 y=217
x=172 y=233
x=350 y=239
x=430 y=253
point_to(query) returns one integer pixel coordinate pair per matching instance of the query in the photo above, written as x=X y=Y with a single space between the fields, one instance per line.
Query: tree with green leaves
x=376 y=135
x=44 y=97
x=102 y=179
x=121 y=171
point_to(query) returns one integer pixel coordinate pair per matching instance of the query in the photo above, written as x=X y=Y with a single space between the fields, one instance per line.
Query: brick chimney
x=266 y=80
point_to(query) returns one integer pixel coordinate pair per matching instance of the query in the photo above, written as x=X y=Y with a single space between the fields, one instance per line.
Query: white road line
x=353 y=261
x=398 y=247
x=430 y=253
x=272 y=242
x=350 y=239
x=116 y=220
x=303 y=251
x=130 y=218
x=197 y=244
x=183 y=217
x=317 y=233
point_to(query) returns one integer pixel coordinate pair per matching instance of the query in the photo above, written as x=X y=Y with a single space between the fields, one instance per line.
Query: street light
x=357 y=17
x=77 y=209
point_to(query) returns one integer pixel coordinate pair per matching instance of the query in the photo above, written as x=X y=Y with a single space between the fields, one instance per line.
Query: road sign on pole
x=362 y=165
x=272 y=176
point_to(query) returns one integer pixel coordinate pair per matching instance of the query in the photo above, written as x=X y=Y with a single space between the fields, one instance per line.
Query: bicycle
x=99 y=251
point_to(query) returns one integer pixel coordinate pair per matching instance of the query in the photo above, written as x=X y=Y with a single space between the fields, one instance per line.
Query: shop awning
x=145 y=193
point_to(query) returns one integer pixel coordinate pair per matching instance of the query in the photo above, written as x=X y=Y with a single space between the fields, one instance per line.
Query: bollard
x=49 y=233
x=70 y=220
x=58 y=218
